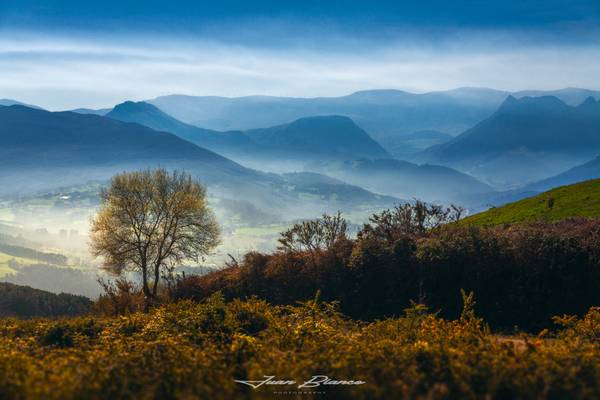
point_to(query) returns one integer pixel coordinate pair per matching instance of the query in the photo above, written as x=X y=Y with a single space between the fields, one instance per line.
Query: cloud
x=60 y=72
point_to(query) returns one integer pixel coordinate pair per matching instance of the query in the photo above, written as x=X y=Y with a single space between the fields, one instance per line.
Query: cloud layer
x=68 y=71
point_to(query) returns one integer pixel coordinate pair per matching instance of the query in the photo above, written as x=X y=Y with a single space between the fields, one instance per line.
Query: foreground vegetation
x=188 y=350
x=578 y=200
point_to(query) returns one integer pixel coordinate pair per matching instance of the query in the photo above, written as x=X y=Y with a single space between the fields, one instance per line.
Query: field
x=5 y=269
x=579 y=200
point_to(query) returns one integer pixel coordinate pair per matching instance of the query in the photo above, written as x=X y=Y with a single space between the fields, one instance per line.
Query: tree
x=409 y=220
x=314 y=235
x=151 y=221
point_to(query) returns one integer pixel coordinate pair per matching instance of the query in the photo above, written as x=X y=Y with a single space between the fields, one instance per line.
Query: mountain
x=382 y=113
x=583 y=172
x=149 y=115
x=9 y=102
x=35 y=138
x=578 y=200
x=327 y=136
x=571 y=96
x=525 y=140
x=100 y=111
x=406 y=180
x=43 y=150
x=55 y=149
x=334 y=190
x=403 y=146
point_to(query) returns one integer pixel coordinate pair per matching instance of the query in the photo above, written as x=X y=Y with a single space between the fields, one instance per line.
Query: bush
x=521 y=274
x=187 y=350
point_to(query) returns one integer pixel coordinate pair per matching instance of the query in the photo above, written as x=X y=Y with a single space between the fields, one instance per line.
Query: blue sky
x=63 y=54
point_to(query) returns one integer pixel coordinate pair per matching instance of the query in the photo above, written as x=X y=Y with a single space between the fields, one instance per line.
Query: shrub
x=187 y=350
x=521 y=274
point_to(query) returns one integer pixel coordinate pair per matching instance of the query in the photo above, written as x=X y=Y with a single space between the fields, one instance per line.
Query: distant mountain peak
x=11 y=102
x=589 y=102
x=509 y=102
x=325 y=120
x=136 y=105
x=335 y=135
x=528 y=103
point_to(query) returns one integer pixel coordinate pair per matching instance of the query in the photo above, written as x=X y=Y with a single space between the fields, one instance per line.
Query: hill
x=9 y=102
x=403 y=146
x=149 y=115
x=583 y=172
x=23 y=301
x=61 y=148
x=100 y=111
x=406 y=180
x=311 y=137
x=322 y=136
x=571 y=96
x=336 y=192
x=578 y=200
x=524 y=140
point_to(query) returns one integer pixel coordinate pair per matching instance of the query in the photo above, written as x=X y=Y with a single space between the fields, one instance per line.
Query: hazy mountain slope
x=571 y=96
x=306 y=138
x=37 y=137
x=100 y=111
x=403 y=146
x=584 y=172
x=331 y=136
x=406 y=180
x=67 y=148
x=578 y=200
x=150 y=116
x=335 y=191
x=42 y=150
x=524 y=140
x=9 y=102
x=382 y=113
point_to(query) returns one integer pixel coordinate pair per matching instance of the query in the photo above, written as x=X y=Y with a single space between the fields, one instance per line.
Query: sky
x=66 y=54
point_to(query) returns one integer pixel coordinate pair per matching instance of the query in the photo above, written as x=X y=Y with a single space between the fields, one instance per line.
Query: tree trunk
x=146 y=289
x=156 y=278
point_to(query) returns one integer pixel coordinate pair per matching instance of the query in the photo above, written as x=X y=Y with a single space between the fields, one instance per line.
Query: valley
x=262 y=180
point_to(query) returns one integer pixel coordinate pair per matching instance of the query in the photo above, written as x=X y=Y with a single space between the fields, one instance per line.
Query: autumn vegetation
x=416 y=304
x=522 y=275
x=191 y=350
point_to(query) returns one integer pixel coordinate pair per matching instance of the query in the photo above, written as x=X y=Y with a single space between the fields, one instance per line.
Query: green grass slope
x=578 y=200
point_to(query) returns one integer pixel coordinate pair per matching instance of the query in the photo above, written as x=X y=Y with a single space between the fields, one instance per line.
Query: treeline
x=24 y=252
x=24 y=301
x=522 y=275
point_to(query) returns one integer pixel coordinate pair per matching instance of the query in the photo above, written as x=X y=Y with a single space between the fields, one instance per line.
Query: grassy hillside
x=578 y=200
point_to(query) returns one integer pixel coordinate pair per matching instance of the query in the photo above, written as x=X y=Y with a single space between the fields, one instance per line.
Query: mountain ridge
x=525 y=140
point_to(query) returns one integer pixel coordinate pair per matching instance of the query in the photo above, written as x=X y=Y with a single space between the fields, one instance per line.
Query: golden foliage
x=188 y=350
